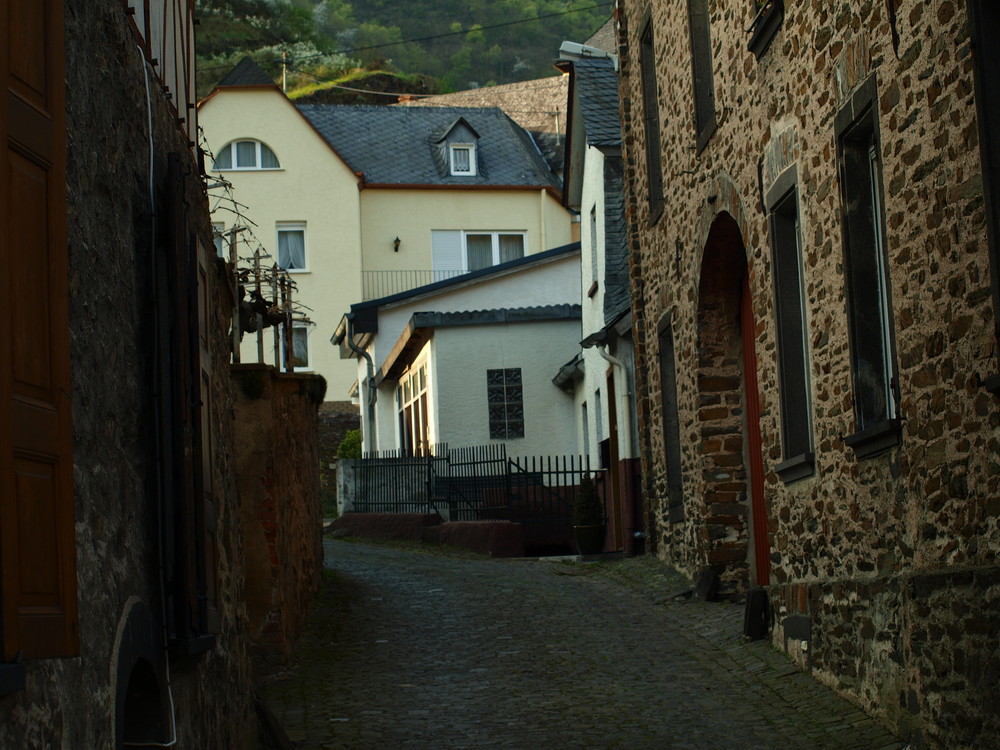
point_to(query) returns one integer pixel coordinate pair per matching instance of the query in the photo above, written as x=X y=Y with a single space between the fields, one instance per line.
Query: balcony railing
x=378 y=284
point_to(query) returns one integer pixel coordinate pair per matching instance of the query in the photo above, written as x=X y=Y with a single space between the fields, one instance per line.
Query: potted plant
x=588 y=518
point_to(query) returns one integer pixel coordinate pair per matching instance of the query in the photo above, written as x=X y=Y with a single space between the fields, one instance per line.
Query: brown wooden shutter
x=37 y=538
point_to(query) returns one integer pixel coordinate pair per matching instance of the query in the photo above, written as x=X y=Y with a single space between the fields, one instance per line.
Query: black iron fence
x=479 y=483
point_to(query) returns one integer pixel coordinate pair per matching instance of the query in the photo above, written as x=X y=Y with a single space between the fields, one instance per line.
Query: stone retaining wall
x=278 y=471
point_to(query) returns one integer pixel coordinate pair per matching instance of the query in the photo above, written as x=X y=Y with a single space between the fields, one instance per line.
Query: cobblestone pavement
x=413 y=650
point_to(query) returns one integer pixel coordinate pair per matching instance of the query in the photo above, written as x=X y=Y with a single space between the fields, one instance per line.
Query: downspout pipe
x=372 y=390
x=602 y=349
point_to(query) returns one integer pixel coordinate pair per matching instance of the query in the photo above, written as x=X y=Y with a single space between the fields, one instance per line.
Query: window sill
x=992 y=384
x=797 y=467
x=249 y=169
x=766 y=27
x=11 y=678
x=875 y=439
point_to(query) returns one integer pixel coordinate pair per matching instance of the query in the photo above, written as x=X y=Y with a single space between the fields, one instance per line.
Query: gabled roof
x=442 y=133
x=363 y=317
x=596 y=85
x=421 y=324
x=246 y=73
x=537 y=106
x=604 y=37
x=482 y=274
x=392 y=145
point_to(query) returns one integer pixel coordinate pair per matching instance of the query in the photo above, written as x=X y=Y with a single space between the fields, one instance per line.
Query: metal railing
x=378 y=284
x=479 y=483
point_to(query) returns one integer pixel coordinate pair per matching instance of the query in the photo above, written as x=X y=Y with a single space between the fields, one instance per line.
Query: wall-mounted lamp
x=395 y=245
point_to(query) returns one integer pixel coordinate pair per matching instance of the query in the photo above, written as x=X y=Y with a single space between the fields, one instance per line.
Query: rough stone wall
x=278 y=470
x=71 y=702
x=859 y=529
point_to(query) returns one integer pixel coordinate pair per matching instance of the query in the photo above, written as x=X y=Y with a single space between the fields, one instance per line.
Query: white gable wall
x=553 y=283
x=313 y=186
x=463 y=354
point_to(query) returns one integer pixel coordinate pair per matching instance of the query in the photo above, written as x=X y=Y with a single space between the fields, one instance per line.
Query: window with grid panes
x=505 y=397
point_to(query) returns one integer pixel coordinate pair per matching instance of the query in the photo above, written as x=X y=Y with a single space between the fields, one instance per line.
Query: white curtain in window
x=479 y=251
x=511 y=247
x=291 y=249
x=460 y=159
x=246 y=154
x=300 y=341
x=267 y=158
x=225 y=158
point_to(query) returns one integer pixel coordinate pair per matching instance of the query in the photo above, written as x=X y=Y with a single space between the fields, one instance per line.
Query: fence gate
x=480 y=483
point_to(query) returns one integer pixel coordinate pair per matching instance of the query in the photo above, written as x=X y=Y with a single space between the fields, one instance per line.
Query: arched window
x=246 y=154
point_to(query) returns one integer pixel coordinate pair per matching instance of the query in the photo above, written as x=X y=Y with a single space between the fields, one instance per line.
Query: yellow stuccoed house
x=362 y=202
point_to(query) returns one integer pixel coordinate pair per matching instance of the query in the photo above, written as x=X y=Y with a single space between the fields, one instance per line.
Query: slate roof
x=247 y=73
x=604 y=37
x=527 y=260
x=496 y=316
x=617 y=284
x=597 y=91
x=397 y=145
x=538 y=106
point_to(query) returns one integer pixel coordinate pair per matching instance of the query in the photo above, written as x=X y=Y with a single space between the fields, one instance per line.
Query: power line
x=429 y=38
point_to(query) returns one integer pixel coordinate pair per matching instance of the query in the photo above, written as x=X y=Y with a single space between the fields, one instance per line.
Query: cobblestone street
x=409 y=649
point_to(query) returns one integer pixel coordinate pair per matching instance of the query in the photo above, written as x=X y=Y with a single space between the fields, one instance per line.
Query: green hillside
x=326 y=39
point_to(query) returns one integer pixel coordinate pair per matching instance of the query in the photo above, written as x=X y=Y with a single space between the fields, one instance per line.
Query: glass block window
x=505 y=396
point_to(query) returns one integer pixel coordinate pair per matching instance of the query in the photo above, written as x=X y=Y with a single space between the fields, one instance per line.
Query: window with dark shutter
x=671 y=422
x=873 y=362
x=789 y=310
x=38 y=596
x=985 y=17
x=651 y=117
x=701 y=69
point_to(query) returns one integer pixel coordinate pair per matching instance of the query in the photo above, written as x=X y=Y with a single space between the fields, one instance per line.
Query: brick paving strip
x=407 y=649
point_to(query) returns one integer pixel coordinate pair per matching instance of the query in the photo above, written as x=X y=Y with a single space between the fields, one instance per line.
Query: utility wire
x=428 y=38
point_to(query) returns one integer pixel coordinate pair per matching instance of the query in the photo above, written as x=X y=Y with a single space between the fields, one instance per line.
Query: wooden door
x=37 y=539
x=755 y=457
x=614 y=467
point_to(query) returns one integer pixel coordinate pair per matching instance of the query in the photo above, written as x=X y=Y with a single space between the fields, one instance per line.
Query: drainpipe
x=372 y=390
x=627 y=412
x=541 y=222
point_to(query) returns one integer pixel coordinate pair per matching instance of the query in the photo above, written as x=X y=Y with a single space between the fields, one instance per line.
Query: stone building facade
x=123 y=615
x=814 y=275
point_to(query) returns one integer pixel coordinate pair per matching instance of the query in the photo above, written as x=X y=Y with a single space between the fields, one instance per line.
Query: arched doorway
x=735 y=531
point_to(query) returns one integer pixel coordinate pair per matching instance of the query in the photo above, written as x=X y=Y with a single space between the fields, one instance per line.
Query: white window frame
x=257 y=157
x=453 y=168
x=291 y=226
x=413 y=405
x=495 y=242
x=303 y=325
x=219 y=239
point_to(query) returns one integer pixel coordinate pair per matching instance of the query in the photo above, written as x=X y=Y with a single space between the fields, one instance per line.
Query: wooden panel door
x=37 y=546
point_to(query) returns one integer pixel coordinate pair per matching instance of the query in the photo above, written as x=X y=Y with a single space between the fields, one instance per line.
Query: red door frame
x=755 y=455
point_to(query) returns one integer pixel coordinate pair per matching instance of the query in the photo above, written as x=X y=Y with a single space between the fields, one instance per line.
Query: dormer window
x=463 y=159
x=246 y=154
x=454 y=147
